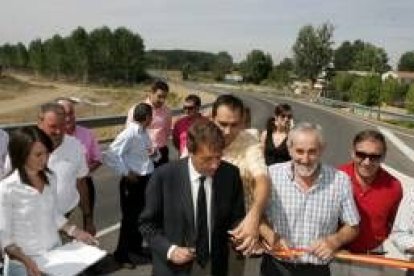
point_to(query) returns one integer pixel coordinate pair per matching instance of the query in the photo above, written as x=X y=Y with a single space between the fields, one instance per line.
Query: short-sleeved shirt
x=246 y=153
x=88 y=140
x=68 y=163
x=302 y=217
x=403 y=231
x=377 y=206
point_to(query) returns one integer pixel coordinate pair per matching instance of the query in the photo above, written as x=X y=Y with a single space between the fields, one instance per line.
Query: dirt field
x=21 y=95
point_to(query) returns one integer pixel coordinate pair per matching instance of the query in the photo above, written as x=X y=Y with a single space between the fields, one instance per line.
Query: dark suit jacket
x=168 y=216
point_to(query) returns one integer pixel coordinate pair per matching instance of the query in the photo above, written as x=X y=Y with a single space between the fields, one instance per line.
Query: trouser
x=410 y=272
x=132 y=199
x=197 y=270
x=91 y=192
x=164 y=152
x=273 y=267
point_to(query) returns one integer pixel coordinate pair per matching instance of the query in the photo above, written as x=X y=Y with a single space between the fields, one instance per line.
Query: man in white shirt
x=131 y=156
x=68 y=163
x=4 y=141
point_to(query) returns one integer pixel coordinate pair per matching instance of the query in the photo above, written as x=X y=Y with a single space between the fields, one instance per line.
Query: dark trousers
x=164 y=156
x=91 y=192
x=410 y=272
x=272 y=267
x=132 y=198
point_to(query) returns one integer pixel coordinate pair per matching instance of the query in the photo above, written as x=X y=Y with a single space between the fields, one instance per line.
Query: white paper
x=69 y=259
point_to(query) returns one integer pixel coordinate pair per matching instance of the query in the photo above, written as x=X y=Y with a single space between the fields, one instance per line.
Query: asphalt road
x=338 y=129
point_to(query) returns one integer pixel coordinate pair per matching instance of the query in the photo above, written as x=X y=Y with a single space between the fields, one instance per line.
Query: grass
x=401 y=123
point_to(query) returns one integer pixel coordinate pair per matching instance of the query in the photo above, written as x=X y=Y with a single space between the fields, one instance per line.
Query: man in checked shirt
x=311 y=207
x=402 y=234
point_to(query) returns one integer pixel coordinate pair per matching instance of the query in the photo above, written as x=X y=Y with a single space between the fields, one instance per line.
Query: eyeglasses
x=189 y=107
x=372 y=157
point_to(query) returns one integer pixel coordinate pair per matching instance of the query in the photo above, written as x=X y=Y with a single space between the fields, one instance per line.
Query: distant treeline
x=177 y=59
x=103 y=55
x=100 y=55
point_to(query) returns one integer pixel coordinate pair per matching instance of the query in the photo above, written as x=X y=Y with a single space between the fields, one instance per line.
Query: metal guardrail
x=365 y=110
x=95 y=122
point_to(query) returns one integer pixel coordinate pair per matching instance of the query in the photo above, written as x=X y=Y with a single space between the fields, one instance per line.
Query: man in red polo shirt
x=377 y=195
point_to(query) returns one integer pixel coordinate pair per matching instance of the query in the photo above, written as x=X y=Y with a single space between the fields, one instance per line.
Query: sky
x=235 y=26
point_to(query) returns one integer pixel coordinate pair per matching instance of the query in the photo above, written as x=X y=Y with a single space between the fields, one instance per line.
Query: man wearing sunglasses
x=377 y=195
x=191 y=109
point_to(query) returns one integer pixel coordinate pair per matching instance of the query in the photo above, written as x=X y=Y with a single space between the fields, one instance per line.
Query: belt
x=301 y=265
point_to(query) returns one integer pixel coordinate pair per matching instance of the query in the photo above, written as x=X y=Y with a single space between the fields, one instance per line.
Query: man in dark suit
x=190 y=205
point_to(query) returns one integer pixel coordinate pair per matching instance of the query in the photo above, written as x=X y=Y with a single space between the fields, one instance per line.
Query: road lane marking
x=406 y=150
x=108 y=230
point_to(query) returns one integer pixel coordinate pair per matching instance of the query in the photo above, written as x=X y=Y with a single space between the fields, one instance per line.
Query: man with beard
x=160 y=128
x=309 y=201
x=377 y=195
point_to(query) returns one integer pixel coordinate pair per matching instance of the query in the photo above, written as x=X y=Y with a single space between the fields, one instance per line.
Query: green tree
x=79 y=53
x=393 y=92
x=101 y=62
x=127 y=55
x=37 y=56
x=406 y=62
x=344 y=56
x=341 y=84
x=222 y=65
x=371 y=58
x=409 y=99
x=256 y=67
x=366 y=90
x=313 y=50
x=186 y=71
x=55 y=56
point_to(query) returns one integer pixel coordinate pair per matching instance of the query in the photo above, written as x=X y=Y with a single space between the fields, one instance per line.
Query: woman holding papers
x=28 y=211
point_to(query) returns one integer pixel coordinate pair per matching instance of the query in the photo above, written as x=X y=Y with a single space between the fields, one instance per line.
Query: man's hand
x=32 y=268
x=89 y=226
x=246 y=234
x=182 y=255
x=84 y=237
x=280 y=249
x=325 y=248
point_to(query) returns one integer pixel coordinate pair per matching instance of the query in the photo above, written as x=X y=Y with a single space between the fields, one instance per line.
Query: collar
x=194 y=174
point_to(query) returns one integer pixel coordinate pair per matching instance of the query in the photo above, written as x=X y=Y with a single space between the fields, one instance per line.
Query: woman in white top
x=28 y=210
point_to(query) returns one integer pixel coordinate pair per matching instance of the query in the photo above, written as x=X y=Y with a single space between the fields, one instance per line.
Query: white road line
x=406 y=150
x=108 y=230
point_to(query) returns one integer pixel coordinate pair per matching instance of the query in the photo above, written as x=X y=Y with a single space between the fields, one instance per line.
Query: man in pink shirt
x=88 y=140
x=160 y=127
x=191 y=108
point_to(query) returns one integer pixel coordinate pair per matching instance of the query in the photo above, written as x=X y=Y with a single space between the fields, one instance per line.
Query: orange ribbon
x=346 y=256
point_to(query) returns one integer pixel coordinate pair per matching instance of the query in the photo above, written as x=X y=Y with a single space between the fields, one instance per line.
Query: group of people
x=232 y=195
x=45 y=174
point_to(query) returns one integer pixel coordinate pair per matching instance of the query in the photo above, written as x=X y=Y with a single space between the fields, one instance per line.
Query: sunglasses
x=372 y=157
x=187 y=107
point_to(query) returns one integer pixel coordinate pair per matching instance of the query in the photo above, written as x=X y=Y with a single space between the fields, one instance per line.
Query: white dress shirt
x=195 y=185
x=129 y=152
x=4 y=142
x=68 y=163
x=29 y=218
